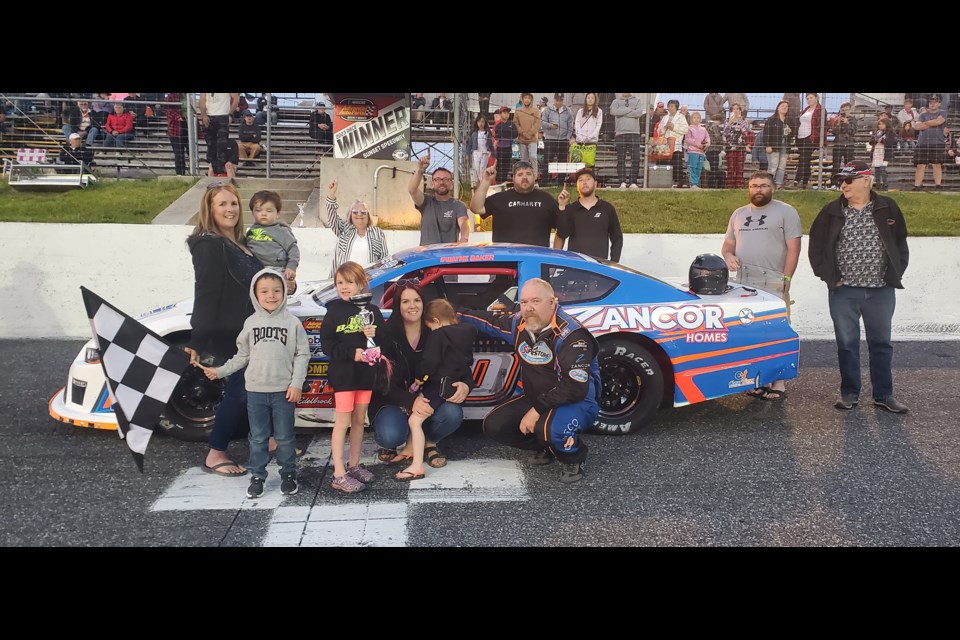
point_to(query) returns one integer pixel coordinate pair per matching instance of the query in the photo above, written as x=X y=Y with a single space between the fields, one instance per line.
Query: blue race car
x=659 y=342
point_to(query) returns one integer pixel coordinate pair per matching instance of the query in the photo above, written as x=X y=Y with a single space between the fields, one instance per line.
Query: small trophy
x=301 y=205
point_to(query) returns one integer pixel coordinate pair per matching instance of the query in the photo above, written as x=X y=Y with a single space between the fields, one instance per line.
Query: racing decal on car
x=540 y=353
x=745 y=316
x=312 y=324
x=486 y=257
x=740 y=379
x=147 y=314
x=104 y=402
x=316 y=387
x=580 y=375
x=314 y=342
x=315 y=401
x=687 y=317
x=317 y=369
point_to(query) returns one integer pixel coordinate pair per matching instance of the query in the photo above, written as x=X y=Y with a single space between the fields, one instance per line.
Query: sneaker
x=846 y=402
x=634 y=187
x=571 y=472
x=255 y=490
x=360 y=473
x=890 y=404
x=542 y=458
x=917 y=187
x=347 y=484
x=623 y=185
x=693 y=186
x=938 y=187
x=289 y=486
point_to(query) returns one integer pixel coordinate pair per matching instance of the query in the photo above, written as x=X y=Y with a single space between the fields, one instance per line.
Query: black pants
x=179 y=144
x=841 y=156
x=504 y=163
x=216 y=135
x=715 y=178
x=503 y=425
x=806 y=147
x=676 y=161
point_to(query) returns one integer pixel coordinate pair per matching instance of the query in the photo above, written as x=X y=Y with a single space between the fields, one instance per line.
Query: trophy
x=301 y=205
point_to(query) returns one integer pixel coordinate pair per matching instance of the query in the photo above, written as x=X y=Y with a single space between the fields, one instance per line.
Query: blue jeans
x=92 y=133
x=695 y=160
x=231 y=412
x=271 y=414
x=777 y=165
x=875 y=306
x=390 y=427
x=117 y=141
x=628 y=142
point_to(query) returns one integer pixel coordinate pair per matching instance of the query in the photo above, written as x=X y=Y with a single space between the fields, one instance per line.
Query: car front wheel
x=632 y=387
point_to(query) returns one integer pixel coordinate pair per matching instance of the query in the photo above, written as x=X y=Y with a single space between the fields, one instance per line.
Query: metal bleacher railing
x=289 y=151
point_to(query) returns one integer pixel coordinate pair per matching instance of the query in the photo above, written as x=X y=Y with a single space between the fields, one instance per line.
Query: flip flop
x=408 y=476
x=759 y=392
x=778 y=395
x=229 y=474
x=400 y=459
x=386 y=454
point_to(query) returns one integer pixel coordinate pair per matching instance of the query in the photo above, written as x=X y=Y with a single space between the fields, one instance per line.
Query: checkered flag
x=142 y=370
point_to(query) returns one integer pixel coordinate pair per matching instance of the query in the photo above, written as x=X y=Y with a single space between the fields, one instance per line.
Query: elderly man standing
x=765 y=233
x=557 y=124
x=561 y=380
x=522 y=214
x=858 y=246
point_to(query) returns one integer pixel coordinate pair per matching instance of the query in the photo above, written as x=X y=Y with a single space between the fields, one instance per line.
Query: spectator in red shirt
x=178 y=138
x=119 y=127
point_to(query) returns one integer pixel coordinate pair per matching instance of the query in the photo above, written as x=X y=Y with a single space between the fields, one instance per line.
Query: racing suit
x=560 y=377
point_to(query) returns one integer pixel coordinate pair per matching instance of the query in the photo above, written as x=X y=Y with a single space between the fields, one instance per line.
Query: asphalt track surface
x=730 y=472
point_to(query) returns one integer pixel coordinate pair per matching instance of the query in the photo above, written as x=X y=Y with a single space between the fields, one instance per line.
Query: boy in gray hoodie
x=273 y=346
x=271 y=239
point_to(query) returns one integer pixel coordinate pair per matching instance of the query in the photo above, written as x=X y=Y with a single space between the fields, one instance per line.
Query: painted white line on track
x=374 y=524
x=471 y=481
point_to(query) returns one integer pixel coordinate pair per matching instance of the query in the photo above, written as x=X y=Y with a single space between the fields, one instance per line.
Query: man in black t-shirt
x=591 y=223
x=523 y=214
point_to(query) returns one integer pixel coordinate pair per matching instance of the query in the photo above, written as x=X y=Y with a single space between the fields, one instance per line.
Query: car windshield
x=375 y=270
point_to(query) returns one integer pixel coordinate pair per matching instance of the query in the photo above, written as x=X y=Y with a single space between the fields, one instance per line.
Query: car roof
x=500 y=251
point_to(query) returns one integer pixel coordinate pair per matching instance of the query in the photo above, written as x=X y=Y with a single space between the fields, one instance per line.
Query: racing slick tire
x=632 y=387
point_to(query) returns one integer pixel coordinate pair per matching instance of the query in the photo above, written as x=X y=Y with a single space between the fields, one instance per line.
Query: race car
x=660 y=343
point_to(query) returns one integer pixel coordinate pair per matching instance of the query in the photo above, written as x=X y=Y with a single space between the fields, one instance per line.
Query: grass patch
x=708 y=210
x=126 y=201
x=676 y=211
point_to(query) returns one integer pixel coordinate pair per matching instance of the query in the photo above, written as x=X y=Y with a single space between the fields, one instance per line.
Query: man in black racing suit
x=560 y=378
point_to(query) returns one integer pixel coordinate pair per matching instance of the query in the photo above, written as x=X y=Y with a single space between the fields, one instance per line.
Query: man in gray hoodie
x=273 y=347
x=627 y=111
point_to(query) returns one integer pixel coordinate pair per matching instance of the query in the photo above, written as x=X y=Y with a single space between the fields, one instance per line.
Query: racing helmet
x=708 y=275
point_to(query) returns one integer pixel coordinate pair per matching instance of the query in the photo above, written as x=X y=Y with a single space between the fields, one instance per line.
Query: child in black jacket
x=344 y=335
x=447 y=358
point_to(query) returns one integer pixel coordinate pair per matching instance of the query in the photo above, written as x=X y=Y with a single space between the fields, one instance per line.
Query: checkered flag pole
x=141 y=368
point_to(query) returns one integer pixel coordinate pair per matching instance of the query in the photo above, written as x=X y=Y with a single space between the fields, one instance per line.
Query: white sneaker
x=623 y=185
x=634 y=187
x=694 y=186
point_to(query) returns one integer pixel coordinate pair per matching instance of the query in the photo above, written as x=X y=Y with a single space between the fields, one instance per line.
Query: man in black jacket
x=561 y=380
x=858 y=246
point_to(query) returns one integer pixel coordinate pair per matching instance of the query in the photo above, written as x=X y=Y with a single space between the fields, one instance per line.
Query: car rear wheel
x=189 y=414
x=632 y=387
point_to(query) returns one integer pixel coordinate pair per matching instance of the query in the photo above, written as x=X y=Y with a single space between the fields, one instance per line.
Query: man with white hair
x=561 y=380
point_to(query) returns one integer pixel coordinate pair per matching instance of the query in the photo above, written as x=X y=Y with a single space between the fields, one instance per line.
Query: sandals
x=347 y=484
x=777 y=395
x=407 y=476
x=434 y=458
x=759 y=392
x=386 y=454
x=360 y=473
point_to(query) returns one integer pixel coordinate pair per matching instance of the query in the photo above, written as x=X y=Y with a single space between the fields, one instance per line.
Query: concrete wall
x=384 y=193
x=141 y=267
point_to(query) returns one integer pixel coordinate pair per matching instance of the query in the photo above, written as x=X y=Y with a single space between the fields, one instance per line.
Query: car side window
x=481 y=291
x=576 y=285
